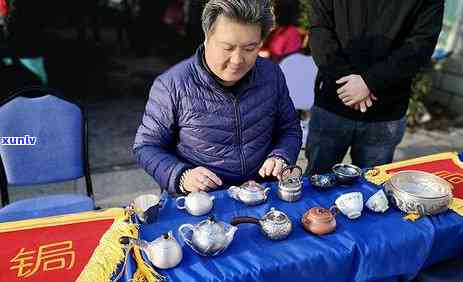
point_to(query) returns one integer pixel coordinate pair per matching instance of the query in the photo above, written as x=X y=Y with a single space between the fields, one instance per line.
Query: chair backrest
x=300 y=72
x=43 y=140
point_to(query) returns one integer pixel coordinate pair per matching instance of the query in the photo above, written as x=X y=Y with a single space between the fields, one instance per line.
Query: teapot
x=290 y=184
x=250 y=193
x=196 y=203
x=164 y=252
x=323 y=182
x=208 y=237
x=319 y=221
x=275 y=224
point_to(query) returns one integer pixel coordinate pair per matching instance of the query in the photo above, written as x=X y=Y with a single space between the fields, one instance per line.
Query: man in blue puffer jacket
x=224 y=116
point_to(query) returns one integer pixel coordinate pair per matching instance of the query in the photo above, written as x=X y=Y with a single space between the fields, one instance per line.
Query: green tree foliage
x=304 y=15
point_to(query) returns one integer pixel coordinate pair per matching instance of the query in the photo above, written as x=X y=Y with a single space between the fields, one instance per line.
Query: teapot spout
x=126 y=240
x=230 y=234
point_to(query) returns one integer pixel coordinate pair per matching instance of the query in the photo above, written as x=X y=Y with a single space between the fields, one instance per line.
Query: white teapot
x=250 y=193
x=208 y=237
x=196 y=203
x=164 y=252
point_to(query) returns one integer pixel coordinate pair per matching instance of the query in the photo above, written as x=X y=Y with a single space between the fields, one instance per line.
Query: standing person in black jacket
x=367 y=53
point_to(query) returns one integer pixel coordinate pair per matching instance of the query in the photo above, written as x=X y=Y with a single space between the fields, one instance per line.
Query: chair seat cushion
x=46 y=206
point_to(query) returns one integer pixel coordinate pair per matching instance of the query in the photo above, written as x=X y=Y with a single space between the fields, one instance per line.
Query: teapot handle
x=183 y=234
x=233 y=192
x=163 y=200
x=177 y=203
x=244 y=219
x=266 y=191
x=334 y=210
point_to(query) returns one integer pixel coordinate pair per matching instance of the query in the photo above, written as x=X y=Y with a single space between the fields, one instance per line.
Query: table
x=374 y=247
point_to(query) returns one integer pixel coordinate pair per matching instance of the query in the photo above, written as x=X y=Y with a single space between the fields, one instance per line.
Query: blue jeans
x=331 y=135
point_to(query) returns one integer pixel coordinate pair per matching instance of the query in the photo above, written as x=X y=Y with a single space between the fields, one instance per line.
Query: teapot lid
x=291 y=173
x=210 y=226
x=252 y=187
x=166 y=241
x=198 y=195
x=275 y=216
x=319 y=214
x=197 y=198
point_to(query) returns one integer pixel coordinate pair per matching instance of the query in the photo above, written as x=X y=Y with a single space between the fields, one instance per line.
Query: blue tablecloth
x=374 y=247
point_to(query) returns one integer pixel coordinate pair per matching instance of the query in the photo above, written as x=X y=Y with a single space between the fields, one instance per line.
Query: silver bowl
x=419 y=192
x=346 y=173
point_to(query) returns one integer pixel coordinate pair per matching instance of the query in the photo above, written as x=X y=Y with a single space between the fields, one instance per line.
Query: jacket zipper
x=238 y=133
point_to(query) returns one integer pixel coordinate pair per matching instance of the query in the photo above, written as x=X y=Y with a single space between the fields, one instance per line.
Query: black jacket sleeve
x=414 y=53
x=325 y=47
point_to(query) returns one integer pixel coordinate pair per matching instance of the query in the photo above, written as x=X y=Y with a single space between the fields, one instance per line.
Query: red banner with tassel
x=52 y=248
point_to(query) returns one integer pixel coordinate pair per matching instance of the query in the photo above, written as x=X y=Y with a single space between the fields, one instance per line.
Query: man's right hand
x=201 y=179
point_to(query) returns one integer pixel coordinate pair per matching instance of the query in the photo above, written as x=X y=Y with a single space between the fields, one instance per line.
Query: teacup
x=378 y=202
x=350 y=204
x=196 y=203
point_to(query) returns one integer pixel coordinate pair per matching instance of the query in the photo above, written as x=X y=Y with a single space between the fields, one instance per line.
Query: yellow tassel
x=109 y=253
x=457 y=206
x=412 y=217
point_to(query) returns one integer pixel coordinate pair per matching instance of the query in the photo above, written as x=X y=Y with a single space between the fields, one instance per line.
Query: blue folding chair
x=43 y=140
x=461 y=156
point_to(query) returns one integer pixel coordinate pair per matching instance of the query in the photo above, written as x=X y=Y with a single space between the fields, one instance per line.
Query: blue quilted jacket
x=190 y=120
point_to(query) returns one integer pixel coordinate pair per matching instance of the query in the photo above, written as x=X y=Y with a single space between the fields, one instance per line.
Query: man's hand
x=201 y=179
x=272 y=166
x=353 y=91
x=365 y=104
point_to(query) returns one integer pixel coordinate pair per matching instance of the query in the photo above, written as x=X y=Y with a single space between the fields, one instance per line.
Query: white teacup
x=378 y=202
x=350 y=204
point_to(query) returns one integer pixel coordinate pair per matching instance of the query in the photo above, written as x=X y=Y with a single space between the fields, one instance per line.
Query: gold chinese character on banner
x=49 y=257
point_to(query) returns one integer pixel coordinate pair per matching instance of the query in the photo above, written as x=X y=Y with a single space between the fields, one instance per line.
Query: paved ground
x=114 y=112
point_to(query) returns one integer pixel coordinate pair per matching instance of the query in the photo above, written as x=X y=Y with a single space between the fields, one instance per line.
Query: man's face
x=231 y=49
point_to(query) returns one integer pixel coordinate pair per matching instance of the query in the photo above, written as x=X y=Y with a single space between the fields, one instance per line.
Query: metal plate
x=421 y=184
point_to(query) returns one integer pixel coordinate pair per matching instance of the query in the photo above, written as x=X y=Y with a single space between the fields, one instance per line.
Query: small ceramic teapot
x=196 y=203
x=319 y=221
x=290 y=184
x=323 y=181
x=275 y=224
x=164 y=252
x=250 y=193
x=208 y=237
